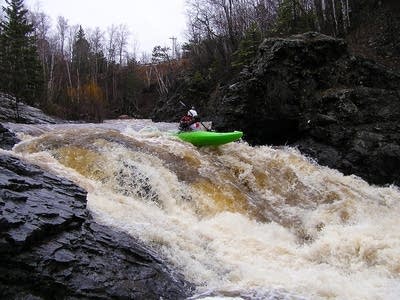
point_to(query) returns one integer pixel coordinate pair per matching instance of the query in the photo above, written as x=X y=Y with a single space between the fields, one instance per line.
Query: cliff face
x=308 y=91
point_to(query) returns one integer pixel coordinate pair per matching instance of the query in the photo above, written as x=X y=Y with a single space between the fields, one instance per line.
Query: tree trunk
x=50 y=84
x=17 y=118
x=344 y=16
x=323 y=8
x=69 y=74
x=317 y=24
x=336 y=31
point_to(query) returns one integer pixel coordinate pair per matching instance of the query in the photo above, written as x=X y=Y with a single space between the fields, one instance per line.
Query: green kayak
x=209 y=138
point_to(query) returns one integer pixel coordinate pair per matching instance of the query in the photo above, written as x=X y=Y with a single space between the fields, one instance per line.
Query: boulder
x=7 y=138
x=26 y=114
x=51 y=248
x=310 y=92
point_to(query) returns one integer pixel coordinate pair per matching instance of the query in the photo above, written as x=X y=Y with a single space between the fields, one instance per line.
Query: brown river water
x=239 y=221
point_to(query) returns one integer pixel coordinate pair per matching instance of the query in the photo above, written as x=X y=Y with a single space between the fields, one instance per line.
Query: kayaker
x=190 y=121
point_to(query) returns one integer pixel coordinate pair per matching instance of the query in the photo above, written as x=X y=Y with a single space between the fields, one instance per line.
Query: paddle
x=193 y=116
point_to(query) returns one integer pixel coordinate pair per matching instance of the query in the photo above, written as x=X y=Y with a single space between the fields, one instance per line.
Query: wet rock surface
x=51 y=248
x=7 y=138
x=26 y=114
x=309 y=92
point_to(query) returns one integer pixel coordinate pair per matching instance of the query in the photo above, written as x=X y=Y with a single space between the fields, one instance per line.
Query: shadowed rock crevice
x=7 y=139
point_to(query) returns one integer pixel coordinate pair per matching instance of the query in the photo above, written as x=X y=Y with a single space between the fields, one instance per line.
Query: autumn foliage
x=88 y=101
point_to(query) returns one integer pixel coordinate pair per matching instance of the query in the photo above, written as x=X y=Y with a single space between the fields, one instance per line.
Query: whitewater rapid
x=238 y=221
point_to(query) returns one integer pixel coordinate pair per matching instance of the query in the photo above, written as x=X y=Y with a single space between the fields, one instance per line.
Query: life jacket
x=195 y=126
x=185 y=122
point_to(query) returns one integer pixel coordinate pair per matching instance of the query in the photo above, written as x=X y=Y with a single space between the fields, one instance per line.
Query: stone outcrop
x=7 y=138
x=50 y=247
x=26 y=114
x=309 y=92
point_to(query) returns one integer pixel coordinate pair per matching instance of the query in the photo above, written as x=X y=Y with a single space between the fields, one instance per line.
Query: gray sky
x=150 y=22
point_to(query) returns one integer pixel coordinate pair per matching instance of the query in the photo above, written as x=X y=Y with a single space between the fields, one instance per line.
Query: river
x=238 y=221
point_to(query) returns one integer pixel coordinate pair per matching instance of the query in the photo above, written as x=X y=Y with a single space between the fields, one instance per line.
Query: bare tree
x=62 y=27
x=96 y=41
x=41 y=24
x=229 y=18
x=132 y=53
x=111 y=43
x=72 y=31
x=112 y=47
x=122 y=35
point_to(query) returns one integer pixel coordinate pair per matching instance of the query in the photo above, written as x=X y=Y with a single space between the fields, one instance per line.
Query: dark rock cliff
x=51 y=248
x=308 y=91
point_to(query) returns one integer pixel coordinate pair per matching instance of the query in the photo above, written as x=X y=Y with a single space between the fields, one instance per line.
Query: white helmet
x=192 y=112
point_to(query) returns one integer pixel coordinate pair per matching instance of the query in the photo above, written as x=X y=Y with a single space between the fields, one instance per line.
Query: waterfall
x=257 y=222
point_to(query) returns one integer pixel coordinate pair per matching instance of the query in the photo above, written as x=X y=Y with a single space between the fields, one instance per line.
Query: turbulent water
x=238 y=221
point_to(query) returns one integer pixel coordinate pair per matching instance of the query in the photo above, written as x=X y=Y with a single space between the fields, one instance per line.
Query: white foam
x=306 y=231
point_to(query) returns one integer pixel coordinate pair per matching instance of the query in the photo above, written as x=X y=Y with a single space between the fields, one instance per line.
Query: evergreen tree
x=292 y=18
x=20 y=66
x=80 y=57
x=248 y=47
x=160 y=54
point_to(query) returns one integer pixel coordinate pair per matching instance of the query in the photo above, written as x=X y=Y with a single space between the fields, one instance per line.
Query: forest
x=87 y=74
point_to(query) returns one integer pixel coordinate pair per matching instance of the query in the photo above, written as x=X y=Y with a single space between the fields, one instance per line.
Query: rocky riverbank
x=26 y=114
